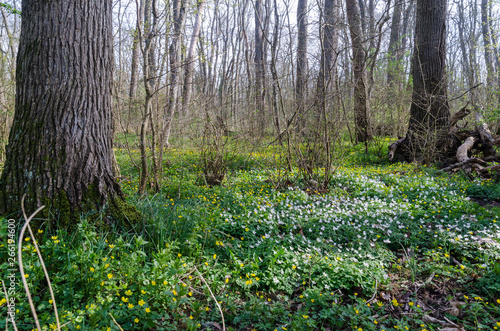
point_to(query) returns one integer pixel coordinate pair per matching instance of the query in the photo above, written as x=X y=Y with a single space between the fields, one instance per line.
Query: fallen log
x=490 y=169
x=464 y=149
x=393 y=148
x=465 y=144
x=468 y=161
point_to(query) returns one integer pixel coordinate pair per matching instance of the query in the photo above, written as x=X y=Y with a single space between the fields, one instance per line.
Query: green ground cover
x=388 y=246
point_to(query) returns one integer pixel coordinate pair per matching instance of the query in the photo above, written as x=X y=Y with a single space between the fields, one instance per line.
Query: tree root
x=477 y=146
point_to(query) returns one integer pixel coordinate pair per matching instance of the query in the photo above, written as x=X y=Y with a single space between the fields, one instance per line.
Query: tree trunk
x=488 y=58
x=359 y=64
x=394 y=44
x=495 y=50
x=362 y=14
x=149 y=69
x=408 y=14
x=60 y=145
x=188 y=75
x=371 y=25
x=179 y=14
x=463 y=44
x=426 y=139
x=328 y=65
x=259 y=69
x=301 y=85
x=136 y=47
x=274 y=73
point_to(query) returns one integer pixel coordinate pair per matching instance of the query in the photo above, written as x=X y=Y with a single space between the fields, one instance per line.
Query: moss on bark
x=61 y=214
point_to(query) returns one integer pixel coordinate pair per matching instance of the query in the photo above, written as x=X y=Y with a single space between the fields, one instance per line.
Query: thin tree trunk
x=301 y=85
x=136 y=48
x=463 y=44
x=260 y=94
x=274 y=48
x=149 y=68
x=188 y=74
x=10 y=36
x=327 y=78
x=362 y=14
x=371 y=25
x=359 y=65
x=179 y=15
x=394 y=44
x=495 y=49
x=490 y=71
x=404 y=30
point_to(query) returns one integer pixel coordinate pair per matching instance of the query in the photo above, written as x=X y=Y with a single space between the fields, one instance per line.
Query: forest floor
x=387 y=246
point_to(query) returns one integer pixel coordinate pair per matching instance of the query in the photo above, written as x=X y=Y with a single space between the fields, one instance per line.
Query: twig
x=213 y=296
x=374 y=293
x=470 y=89
x=43 y=267
x=12 y=320
x=21 y=268
x=118 y=325
x=430 y=278
x=459 y=164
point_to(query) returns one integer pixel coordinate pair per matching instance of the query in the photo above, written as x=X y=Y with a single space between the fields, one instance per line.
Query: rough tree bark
x=60 y=145
x=427 y=139
x=362 y=127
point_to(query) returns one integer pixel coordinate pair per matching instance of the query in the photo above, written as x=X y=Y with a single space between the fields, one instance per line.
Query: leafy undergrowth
x=387 y=247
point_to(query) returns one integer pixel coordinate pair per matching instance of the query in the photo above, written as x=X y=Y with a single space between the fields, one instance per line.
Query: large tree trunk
x=362 y=126
x=301 y=84
x=427 y=138
x=60 y=144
